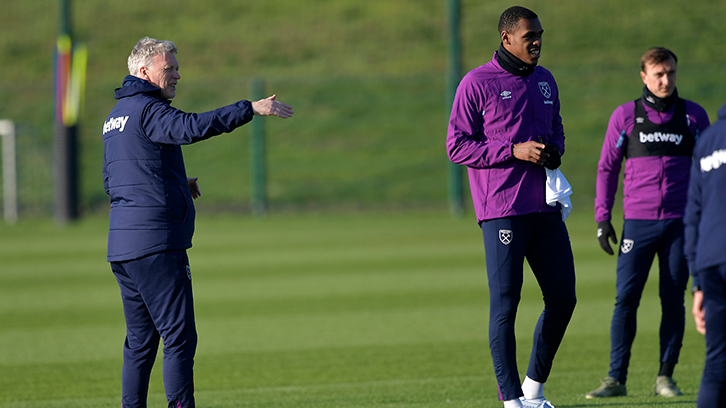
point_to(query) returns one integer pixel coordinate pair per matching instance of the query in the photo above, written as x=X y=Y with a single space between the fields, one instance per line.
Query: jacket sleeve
x=692 y=216
x=558 y=131
x=698 y=116
x=608 y=167
x=165 y=124
x=466 y=143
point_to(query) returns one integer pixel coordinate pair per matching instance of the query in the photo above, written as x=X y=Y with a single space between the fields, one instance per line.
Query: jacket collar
x=659 y=104
x=512 y=64
x=134 y=85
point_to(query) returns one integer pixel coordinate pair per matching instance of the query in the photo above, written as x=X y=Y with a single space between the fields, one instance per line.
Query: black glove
x=554 y=160
x=606 y=231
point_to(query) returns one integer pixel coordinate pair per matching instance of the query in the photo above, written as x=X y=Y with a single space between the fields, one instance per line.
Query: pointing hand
x=271 y=107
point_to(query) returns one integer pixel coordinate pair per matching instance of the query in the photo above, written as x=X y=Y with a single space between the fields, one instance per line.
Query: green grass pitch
x=349 y=310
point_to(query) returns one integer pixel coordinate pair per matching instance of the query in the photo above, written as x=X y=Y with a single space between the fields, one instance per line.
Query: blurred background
x=367 y=80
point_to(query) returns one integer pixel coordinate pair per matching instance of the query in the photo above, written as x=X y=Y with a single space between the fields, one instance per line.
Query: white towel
x=557 y=189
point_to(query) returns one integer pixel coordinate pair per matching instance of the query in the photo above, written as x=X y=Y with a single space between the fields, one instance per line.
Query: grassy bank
x=366 y=79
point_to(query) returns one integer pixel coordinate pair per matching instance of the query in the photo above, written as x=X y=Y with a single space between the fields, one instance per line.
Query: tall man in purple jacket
x=152 y=215
x=655 y=134
x=505 y=126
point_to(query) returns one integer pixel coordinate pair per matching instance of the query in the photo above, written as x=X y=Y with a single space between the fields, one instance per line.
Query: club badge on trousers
x=505 y=236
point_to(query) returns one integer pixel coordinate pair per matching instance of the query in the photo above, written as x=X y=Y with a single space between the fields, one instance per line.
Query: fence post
x=10 y=175
x=257 y=154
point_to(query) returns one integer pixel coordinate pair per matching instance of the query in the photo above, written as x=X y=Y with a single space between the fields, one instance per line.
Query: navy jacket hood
x=134 y=86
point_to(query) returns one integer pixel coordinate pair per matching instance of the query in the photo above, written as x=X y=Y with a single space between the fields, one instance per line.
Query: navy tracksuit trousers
x=156 y=291
x=641 y=241
x=541 y=239
x=712 y=393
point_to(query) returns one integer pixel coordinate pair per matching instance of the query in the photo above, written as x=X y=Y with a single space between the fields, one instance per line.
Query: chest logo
x=505 y=236
x=506 y=95
x=544 y=87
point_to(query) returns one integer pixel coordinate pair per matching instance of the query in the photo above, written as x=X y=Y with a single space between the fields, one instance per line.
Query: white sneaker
x=666 y=387
x=536 y=403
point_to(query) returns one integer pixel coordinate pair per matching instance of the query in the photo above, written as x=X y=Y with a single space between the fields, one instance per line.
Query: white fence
x=26 y=158
x=10 y=173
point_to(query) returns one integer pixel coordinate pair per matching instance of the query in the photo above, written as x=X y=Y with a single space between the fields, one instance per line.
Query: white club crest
x=627 y=245
x=505 y=236
x=544 y=87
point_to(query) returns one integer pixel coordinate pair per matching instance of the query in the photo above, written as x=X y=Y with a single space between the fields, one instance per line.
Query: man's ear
x=505 y=37
x=143 y=73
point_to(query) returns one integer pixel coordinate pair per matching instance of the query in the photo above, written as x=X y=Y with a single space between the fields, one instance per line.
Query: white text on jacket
x=713 y=161
x=661 y=137
x=115 y=123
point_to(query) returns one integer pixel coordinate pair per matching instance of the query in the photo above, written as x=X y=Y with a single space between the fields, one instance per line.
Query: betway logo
x=115 y=123
x=661 y=137
x=713 y=161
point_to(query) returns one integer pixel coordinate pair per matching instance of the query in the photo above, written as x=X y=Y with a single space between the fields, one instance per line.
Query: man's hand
x=699 y=315
x=530 y=151
x=606 y=231
x=553 y=157
x=269 y=106
x=194 y=186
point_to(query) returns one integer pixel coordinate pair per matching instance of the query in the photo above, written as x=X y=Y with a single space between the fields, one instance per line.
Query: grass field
x=356 y=310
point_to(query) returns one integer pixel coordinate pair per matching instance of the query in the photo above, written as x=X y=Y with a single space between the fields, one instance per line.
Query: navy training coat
x=143 y=168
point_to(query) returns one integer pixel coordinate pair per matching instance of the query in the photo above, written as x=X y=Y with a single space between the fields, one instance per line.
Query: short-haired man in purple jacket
x=655 y=134
x=152 y=215
x=505 y=126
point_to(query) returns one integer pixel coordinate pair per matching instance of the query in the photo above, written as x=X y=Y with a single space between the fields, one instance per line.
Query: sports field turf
x=347 y=310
